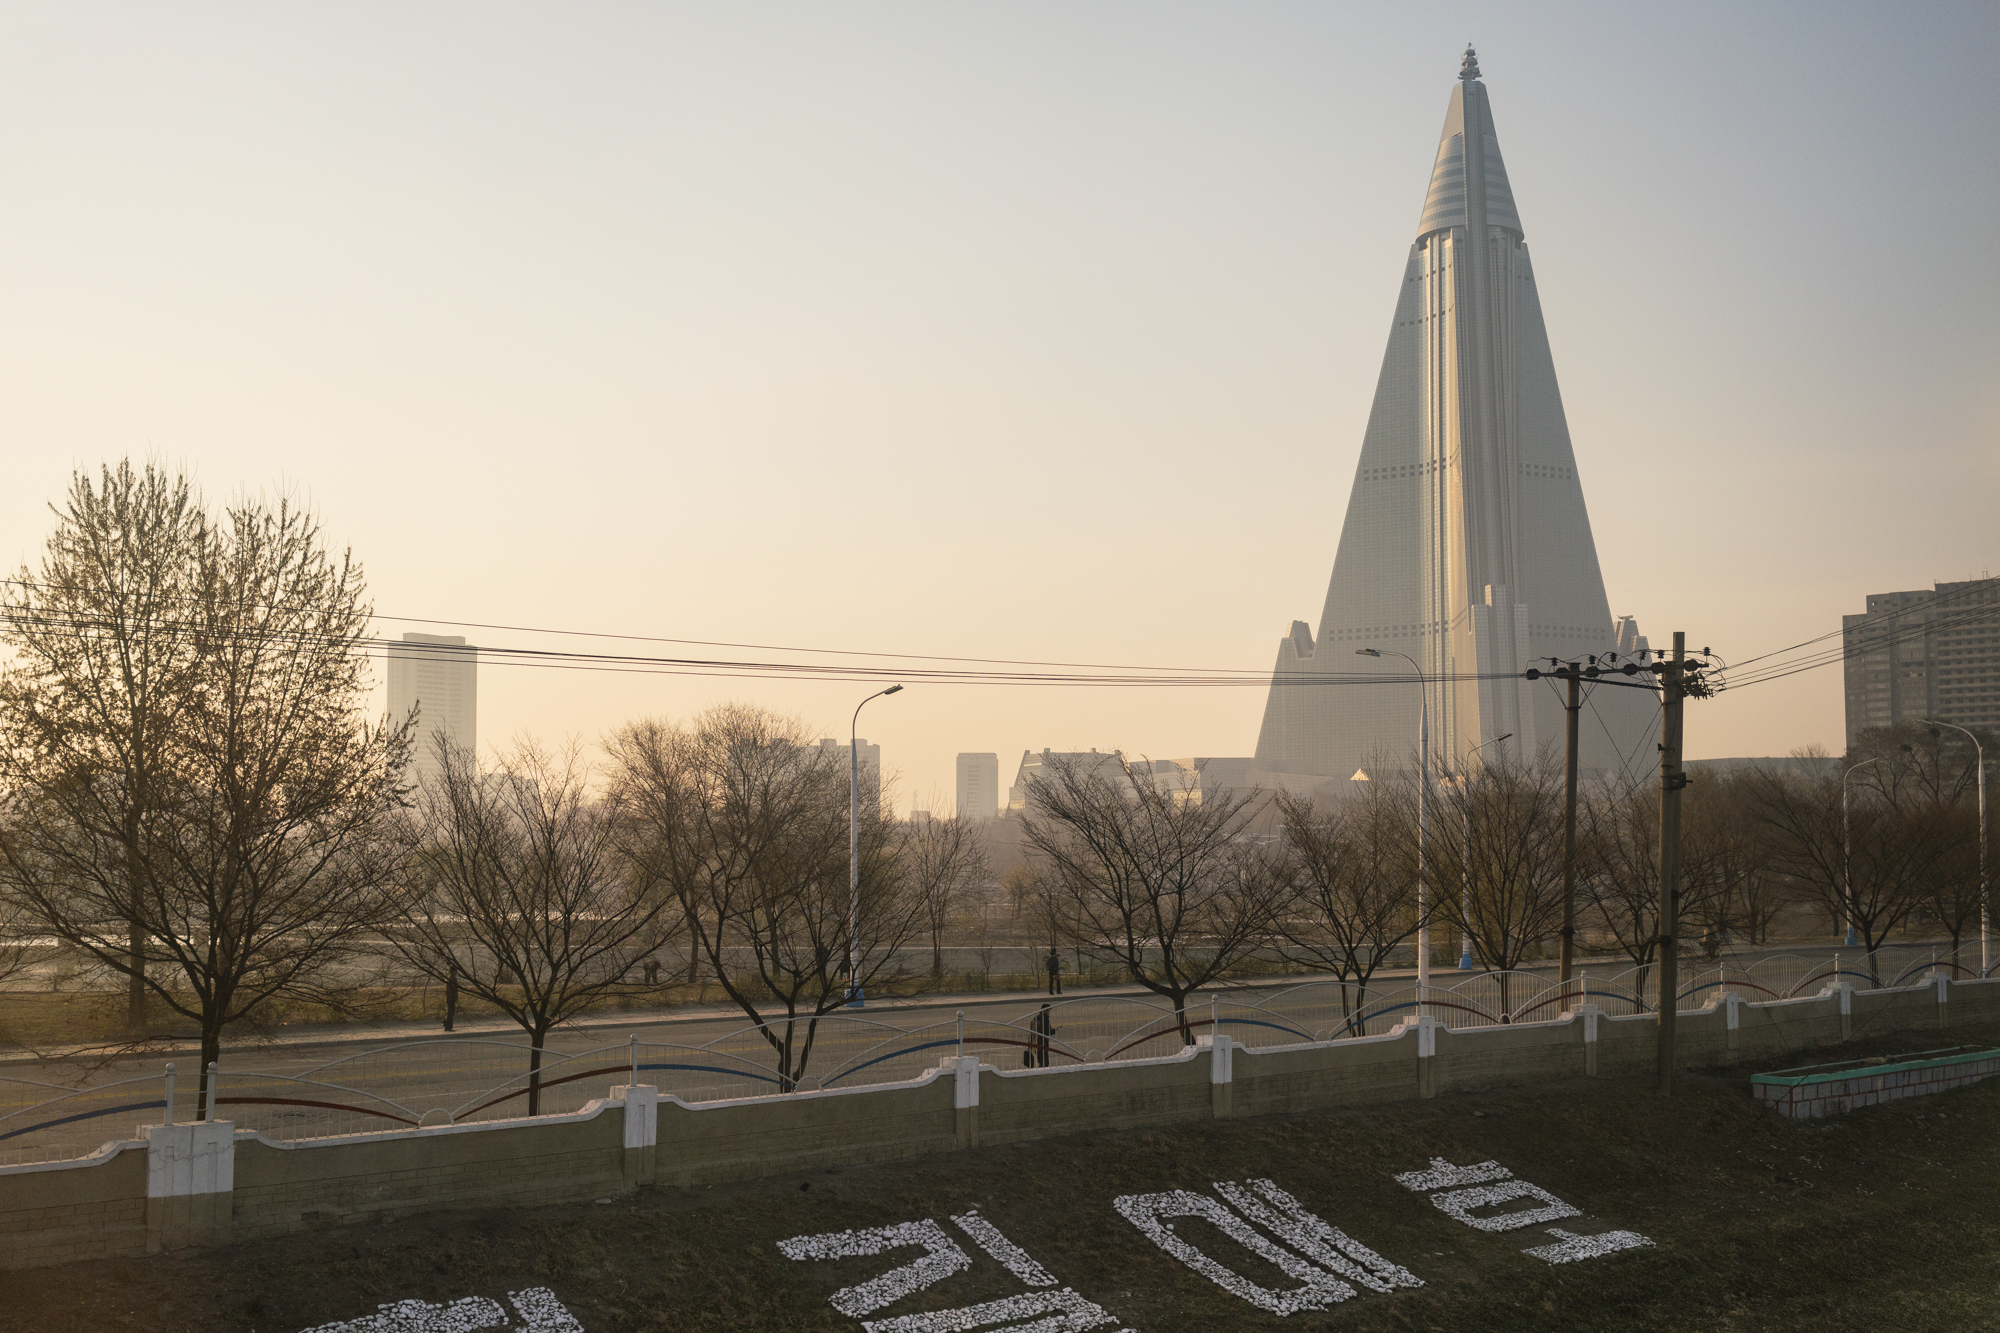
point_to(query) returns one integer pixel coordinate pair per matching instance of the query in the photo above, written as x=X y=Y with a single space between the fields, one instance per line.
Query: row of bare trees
x=1176 y=888
x=193 y=800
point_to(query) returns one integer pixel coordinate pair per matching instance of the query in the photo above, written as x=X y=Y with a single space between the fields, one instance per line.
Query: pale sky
x=1012 y=330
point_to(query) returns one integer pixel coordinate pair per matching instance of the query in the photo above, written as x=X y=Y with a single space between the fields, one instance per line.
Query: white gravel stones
x=1444 y=1176
x=1071 y=1314
x=1017 y=1260
x=1060 y=1311
x=1465 y=1189
x=539 y=1309
x=1329 y=1247
x=1570 y=1247
x=942 y=1258
x=1461 y=1203
x=1318 y=1288
x=542 y=1312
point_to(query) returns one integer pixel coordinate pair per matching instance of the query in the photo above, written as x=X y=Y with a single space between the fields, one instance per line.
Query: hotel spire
x=1466 y=544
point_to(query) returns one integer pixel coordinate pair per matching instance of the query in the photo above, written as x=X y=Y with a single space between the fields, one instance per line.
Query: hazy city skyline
x=1021 y=332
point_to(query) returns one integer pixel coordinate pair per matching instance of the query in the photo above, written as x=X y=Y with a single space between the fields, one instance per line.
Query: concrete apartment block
x=1913 y=655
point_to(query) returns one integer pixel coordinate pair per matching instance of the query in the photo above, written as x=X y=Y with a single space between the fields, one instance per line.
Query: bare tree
x=264 y=863
x=1917 y=769
x=747 y=827
x=943 y=859
x=1505 y=831
x=522 y=891
x=1159 y=882
x=105 y=649
x=1354 y=884
x=1895 y=850
x=1753 y=890
x=1619 y=854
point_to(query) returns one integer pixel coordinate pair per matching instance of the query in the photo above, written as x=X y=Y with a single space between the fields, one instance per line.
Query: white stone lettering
x=988 y=1238
x=1570 y=1247
x=943 y=1257
x=1318 y=1288
x=1329 y=1247
x=1461 y=1203
x=1444 y=1176
x=1067 y=1313
x=541 y=1312
x=465 y=1316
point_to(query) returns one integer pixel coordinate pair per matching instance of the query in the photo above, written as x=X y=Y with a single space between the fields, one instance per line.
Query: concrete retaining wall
x=198 y=1184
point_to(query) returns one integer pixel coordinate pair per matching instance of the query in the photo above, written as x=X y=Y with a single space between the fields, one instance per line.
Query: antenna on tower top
x=1469 y=68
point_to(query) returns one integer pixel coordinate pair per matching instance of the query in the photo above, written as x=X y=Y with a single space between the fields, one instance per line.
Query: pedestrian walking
x=652 y=971
x=451 y=997
x=1055 y=971
x=1045 y=1029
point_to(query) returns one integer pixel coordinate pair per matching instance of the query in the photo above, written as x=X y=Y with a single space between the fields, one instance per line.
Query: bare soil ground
x=1883 y=1220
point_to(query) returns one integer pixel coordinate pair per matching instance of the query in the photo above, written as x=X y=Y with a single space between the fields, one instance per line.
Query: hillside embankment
x=1881 y=1220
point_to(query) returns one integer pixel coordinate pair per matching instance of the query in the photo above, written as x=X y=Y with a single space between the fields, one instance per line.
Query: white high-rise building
x=437 y=675
x=978 y=786
x=1466 y=544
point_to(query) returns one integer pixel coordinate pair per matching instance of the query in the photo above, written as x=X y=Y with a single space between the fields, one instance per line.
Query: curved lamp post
x=1985 y=895
x=855 y=999
x=1465 y=851
x=1423 y=820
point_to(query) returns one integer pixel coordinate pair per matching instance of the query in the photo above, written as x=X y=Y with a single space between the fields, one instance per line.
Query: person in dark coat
x=1045 y=1029
x=1055 y=971
x=451 y=997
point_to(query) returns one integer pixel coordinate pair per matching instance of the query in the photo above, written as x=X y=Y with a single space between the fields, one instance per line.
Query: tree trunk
x=135 y=983
x=535 y=1072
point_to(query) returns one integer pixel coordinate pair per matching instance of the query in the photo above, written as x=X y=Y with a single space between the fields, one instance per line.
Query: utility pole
x=1672 y=780
x=1568 y=949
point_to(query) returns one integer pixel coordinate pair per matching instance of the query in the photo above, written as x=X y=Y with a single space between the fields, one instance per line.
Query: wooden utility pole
x=1569 y=833
x=1672 y=779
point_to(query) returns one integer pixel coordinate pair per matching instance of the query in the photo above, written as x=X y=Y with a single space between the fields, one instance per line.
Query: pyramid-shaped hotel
x=1466 y=547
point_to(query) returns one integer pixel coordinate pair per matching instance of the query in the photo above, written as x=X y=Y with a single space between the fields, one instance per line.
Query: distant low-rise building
x=870 y=782
x=978 y=786
x=1914 y=655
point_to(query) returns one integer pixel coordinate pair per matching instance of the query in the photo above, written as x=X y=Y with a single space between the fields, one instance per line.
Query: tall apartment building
x=437 y=675
x=871 y=768
x=1934 y=654
x=1466 y=554
x=978 y=786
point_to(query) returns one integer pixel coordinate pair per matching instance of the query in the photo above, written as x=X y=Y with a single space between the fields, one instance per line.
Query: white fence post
x=190 y=1183
x=642 y=1131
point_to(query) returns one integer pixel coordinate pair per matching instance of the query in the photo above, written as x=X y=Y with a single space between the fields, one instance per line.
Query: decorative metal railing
x=453 y=1081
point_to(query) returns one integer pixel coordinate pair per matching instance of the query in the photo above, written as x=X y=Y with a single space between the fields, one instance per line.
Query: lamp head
x=1367 y=652
x=892 y=689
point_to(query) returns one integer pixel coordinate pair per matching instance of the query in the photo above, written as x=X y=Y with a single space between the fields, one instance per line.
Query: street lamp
x=1847 y=848
x=855 y=999
x=1985 y=885
x=1465 y=850
x=1423 y=820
